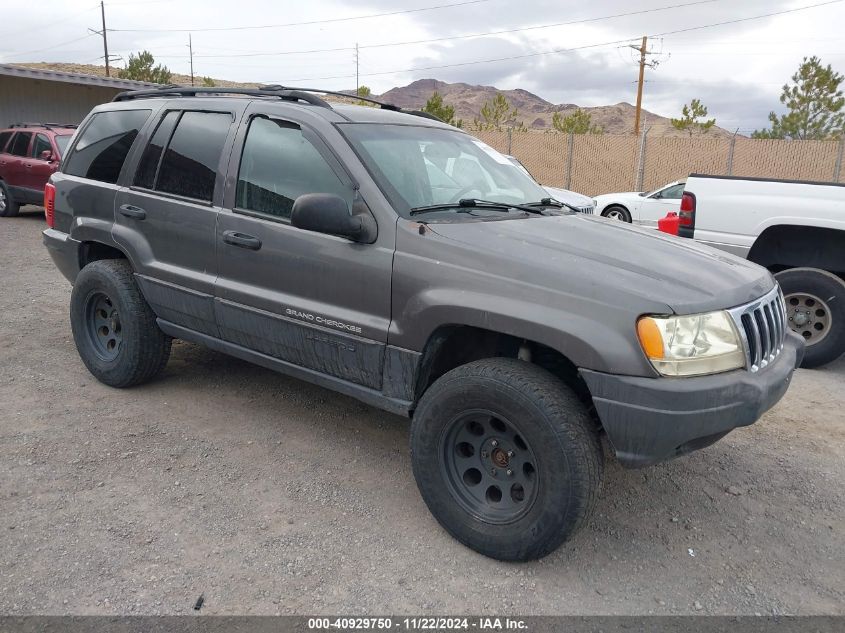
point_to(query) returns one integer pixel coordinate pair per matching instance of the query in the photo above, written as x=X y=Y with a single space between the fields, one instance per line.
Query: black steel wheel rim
x=102 y=324
x=489 y=467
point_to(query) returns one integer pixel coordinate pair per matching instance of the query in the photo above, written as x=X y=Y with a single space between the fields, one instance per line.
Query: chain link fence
x=595 y=164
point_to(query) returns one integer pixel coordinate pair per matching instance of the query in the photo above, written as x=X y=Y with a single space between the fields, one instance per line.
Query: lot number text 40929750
x=417 y=624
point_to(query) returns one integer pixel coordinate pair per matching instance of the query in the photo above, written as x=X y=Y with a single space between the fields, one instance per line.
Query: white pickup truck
x=795 y=229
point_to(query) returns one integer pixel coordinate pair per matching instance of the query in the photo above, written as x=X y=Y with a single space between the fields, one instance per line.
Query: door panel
x=36 y=170
x=652 y=209
x=166 y=220
x=316 y=300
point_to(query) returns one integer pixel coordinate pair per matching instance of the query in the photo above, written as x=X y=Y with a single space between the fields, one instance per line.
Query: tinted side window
x=189 y=165
x=145 y=176
x=101 y=150
x=4 y=138
x=278 y=165
x=41 y=144
x=20 y=144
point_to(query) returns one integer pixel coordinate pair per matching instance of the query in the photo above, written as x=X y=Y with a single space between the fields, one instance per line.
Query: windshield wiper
x=492 y=204
x=465 y=205
x=553 y=202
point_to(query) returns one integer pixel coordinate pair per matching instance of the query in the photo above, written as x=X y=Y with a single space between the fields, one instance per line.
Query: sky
x=737 y=70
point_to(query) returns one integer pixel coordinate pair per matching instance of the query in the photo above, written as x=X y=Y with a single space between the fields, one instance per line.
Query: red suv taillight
x=687 y=214
x=50 y=203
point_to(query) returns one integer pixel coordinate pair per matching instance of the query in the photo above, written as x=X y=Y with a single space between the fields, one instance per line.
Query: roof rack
x=275 y=90
x=287 y=93
x=186 y=91
x=44 y=125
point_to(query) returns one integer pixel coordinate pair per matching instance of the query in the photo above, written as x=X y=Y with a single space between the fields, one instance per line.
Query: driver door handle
x=131 y=211
x=241 y=239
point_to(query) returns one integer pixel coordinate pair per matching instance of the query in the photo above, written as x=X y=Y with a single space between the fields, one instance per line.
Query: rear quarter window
x=4 y=138
x=105 y=142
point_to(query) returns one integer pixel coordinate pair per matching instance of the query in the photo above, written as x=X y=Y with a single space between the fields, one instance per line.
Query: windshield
x=422 y=166
x=61 y=142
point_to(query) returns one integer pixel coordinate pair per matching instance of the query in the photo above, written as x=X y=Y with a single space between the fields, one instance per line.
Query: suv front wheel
x=114 y=329
x=506 y=458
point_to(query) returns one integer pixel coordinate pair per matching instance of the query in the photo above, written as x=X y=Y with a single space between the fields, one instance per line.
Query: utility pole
x=356 y=68
x=191 y=53
x=644 y=52
x=105 y=38
x=104 y=34
x=640 y=86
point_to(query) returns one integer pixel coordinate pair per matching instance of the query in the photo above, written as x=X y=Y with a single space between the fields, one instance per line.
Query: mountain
x=535 y=112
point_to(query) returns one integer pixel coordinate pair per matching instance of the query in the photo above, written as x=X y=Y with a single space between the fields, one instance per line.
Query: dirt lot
x=268 y=495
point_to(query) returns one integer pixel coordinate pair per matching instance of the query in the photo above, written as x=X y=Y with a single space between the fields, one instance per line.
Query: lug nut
x=510 y=472
x=495 y=442
x=493 y=471
x=484 y=453
x=510 y=453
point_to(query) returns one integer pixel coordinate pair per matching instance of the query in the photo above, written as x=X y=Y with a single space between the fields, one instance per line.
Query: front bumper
x=650 y=420
x=64 y=251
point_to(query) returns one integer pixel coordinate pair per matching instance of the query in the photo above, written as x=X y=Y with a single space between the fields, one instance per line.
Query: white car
x=584 y=204
x=641 y=207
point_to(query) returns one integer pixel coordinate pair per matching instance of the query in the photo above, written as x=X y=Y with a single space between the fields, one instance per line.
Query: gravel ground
x=268 y=495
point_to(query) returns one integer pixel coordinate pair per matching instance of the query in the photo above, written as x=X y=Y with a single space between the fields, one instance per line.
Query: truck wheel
x=506 y=458
x=8 y=207
x=617 y=212
x=114 y=329
x=815 y=309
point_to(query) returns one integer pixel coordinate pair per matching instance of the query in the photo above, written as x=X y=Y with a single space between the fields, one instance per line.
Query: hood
x=610 y=263
x=569 y=197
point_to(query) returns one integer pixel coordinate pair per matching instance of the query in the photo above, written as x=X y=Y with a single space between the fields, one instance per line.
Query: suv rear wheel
x=8 y=207
x=114 y=329
x=506 y=458
x=815 y=309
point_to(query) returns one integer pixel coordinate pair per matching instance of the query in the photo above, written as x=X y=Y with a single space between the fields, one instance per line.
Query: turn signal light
x=50 y=204
x=650 y=338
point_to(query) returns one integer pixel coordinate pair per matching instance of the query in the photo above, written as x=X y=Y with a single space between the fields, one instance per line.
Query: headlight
x=691 y=345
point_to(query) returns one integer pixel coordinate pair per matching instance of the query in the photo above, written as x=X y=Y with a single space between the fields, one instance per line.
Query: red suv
x=29 y=154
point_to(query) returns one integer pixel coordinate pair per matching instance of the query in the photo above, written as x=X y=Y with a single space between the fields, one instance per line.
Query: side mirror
x=46 y=155
x=328 y=213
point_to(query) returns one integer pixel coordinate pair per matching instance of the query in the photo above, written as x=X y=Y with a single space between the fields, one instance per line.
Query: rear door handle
x=241 y=239
x=131 y=211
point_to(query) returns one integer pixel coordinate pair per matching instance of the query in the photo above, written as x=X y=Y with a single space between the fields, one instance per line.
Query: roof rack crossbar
x=44 y=125
x=186 y=91
x=383 y=105
x=275 y=90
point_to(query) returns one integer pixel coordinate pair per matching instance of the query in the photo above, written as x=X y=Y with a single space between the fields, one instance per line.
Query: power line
x=331 y=20
x=49 y=48
x=467 y=36
x=575 y=48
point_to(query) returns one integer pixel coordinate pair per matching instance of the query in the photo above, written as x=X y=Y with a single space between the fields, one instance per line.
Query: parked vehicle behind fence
x=795 y=229
x=400 y=261
x=29 y=153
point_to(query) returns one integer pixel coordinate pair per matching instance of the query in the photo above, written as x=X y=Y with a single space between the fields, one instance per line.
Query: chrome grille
x=762 y=327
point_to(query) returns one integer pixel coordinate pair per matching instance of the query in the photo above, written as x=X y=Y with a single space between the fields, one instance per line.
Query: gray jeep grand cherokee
x=401 y=261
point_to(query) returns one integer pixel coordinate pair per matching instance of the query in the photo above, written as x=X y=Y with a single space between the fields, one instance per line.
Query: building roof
x=73 y=78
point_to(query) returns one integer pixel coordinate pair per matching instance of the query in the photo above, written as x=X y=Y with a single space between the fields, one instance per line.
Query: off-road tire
x=624 y=214
x=558 y=431
x=143 y=349
x=830 y=289
x=10 y=208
